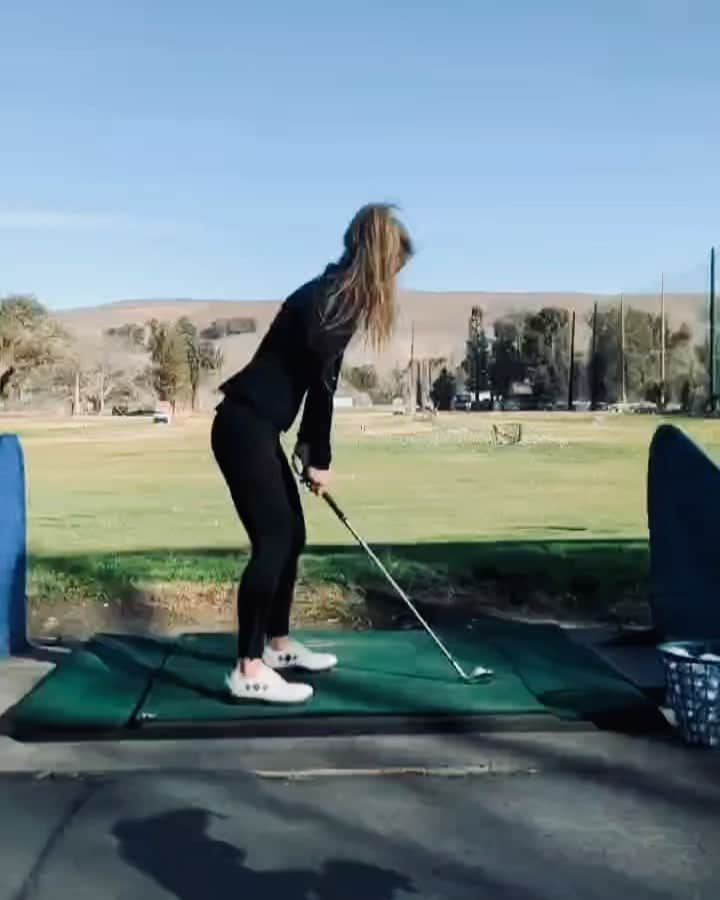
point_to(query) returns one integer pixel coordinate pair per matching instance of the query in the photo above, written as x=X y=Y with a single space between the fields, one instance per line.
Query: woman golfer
x=299 y=358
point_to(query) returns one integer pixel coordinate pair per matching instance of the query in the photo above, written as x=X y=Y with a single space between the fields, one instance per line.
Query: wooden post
x=425 y=384
x=593 y=361
x=711 y=348
x=571 y=376
x=662 y=397
x=76 y=394
x=623 y=386
x=412 y=376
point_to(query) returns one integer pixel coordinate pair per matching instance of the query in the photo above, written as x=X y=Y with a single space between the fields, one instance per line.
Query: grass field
x=123 y=511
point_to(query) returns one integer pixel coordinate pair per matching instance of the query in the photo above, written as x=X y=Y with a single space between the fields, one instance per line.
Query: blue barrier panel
x=683 y=494
x=13 y=547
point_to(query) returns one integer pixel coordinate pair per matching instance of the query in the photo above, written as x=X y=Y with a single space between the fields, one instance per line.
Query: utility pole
x=593 y=360
x=662 y=341
x=571 y=375
x=711 y=349
x=623 y=386
x=412 y=381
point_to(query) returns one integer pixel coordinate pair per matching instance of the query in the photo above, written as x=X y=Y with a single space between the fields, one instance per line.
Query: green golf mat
x=117 y=682
x=97 y=687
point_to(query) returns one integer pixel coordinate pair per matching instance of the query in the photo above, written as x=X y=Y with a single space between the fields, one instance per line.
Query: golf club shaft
x=344 y=519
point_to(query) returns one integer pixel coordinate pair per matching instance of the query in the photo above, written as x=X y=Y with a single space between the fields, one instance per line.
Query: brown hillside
x=440 y=319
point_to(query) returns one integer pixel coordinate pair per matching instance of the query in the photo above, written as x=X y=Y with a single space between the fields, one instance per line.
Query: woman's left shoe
x=297 y=656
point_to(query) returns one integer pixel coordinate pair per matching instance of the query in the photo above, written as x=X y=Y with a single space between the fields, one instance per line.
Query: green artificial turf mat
x=538 y=669
x=381 y=673
x=567 y=678
x=116 y=681
x=97 y=687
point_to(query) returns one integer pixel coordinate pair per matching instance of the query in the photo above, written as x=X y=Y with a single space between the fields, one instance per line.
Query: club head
x=480 y=673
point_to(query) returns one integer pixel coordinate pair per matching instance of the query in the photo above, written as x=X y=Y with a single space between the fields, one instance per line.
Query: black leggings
x=266 y=497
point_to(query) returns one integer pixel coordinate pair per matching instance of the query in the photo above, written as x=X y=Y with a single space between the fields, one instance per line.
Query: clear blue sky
x=218 y=148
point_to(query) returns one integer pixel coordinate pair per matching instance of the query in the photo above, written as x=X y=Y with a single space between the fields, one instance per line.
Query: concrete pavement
x=190 y=836
x=527 y=816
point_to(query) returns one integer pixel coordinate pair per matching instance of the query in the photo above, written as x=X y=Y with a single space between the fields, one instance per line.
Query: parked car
x=644 y=407
x=163 y=413
x=463 y=402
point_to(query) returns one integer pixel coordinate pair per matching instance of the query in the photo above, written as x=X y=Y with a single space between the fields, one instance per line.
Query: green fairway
x=118 y=502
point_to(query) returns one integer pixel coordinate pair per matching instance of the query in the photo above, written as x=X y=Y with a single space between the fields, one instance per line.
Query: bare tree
x=108 y=368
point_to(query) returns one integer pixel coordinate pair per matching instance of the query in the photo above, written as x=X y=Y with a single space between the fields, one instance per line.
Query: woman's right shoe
x=296 y=655
x=267 y=686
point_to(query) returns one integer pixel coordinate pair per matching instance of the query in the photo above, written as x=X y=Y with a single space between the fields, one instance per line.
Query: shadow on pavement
x=175 y=850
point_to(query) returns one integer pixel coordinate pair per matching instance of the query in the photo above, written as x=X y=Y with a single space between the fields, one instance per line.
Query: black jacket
x=297 y=359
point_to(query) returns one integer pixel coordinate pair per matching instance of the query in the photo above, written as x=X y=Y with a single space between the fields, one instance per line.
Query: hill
x=439 y=319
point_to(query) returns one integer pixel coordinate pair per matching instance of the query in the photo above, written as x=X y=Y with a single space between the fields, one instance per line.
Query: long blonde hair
x=377 y=246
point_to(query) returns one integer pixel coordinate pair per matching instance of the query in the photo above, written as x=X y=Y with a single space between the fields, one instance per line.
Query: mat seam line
x=133 y=718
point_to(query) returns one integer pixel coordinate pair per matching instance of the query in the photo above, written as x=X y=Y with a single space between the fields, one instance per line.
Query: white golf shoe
x=267 y=687
x=297 y=656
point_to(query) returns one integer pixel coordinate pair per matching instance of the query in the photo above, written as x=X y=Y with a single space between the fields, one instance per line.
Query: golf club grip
x=333 y=506
x=299 y=467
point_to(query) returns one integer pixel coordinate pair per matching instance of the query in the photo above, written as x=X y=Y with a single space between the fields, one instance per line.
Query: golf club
x=479 y=673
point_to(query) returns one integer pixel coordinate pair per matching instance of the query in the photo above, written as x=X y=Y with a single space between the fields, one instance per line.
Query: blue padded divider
x=683 y=501
x=13 y=547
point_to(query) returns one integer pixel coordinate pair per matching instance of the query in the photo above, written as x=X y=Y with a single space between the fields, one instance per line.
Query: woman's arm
x=326 y=349
x=316 y=423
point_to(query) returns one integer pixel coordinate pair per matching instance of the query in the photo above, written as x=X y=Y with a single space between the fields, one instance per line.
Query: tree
x=686 y=372
x=389 y=386
x=189 y=335
x=476 y=365
x=112 y=369
x=168 y=352
x=443 y=390
x=544 y=350
x=362 y=378
x=506 y=366
x=642 y=351
x=643 y=343
x=99 y=369
x=179 y=359
x=29 y=339
x=603 y=357
x=221 y=328
x=132 y=333
x=212 y=358
x=685 y=368
x=201 y=356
